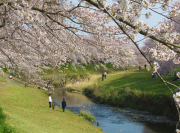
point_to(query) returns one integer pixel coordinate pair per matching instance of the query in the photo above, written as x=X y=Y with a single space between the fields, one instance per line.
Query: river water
x=109 y=120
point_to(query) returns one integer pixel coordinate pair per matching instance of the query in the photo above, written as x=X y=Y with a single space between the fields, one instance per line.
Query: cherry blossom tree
x=167 y=43
x=151 y=48
x=37 y=32
x=46 y=32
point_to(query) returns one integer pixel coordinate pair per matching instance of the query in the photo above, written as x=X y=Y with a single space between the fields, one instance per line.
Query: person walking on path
x=102 y=76
x=63 y=104
x=105 y=74
x=50 y=101
x=145 y=66
x=139 y=68
x=48 y=83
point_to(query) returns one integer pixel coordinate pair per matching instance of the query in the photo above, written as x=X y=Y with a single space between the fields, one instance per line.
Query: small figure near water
x=102 y=76
x=126 y=70
x=11 y=77
x=176 y=76
x=50 y=100
x=139 y=68
x=88 y=78
x=63 y=104
x=105 y=74
x=53 y=106
x=148 y=69
x=48 y=83
x=153 y=75
x=145 y=66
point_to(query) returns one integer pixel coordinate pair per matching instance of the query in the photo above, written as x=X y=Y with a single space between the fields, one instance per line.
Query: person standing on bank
x=50 y=101
x=145 y=66
x=139 y=68
x=105 y=74
x=53 y=105
x=63 y=104
x=102 y=76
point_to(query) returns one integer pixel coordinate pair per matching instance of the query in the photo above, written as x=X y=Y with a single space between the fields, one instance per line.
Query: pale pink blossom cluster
x=177 y=98
x=58 y=32
x=156 y=66
x=148 y=15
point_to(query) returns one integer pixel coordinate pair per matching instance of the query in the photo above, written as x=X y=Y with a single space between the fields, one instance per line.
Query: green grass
x=136 y=90
x=4 y=126
x=2 y=79
x=73 y=75
x=89 y=69
x=27 y=109
x=136 y=80
x=87 y=115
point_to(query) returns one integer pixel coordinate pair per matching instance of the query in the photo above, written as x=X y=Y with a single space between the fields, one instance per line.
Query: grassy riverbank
x=87 y=115
x=4 y=126
x=27 y=111
x=133 y=89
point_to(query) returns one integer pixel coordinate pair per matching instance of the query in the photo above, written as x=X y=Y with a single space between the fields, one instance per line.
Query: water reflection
x=70 y=97
x=109 y=121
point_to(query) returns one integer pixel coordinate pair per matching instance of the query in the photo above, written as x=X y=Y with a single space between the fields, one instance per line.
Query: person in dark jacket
x=145 y=66
x=63 y=104
x=102 y=76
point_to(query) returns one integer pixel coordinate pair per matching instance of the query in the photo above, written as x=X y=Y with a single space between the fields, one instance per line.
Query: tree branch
x=134 y=27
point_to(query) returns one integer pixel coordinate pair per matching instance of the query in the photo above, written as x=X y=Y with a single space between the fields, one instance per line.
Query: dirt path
x=15 y=80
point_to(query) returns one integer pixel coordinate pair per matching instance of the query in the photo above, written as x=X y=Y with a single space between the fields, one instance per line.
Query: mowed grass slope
x=27 y=109
x=136 y=80
x=132 y=79
x=134 y=89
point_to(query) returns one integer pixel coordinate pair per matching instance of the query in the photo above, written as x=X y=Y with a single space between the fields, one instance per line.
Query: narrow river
x=109 y=120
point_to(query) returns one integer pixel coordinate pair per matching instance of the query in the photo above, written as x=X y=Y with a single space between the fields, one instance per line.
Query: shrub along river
x=112 y=119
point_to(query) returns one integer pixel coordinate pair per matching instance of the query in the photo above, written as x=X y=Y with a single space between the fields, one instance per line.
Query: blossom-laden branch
x=101 y=7
x=50 y=32
x=145 y=33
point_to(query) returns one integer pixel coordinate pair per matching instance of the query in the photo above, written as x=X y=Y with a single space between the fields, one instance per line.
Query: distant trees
x=47 y=32
x=55 y=32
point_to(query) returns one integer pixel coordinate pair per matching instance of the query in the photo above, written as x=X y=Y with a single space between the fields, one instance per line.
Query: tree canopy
x=40 y=32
